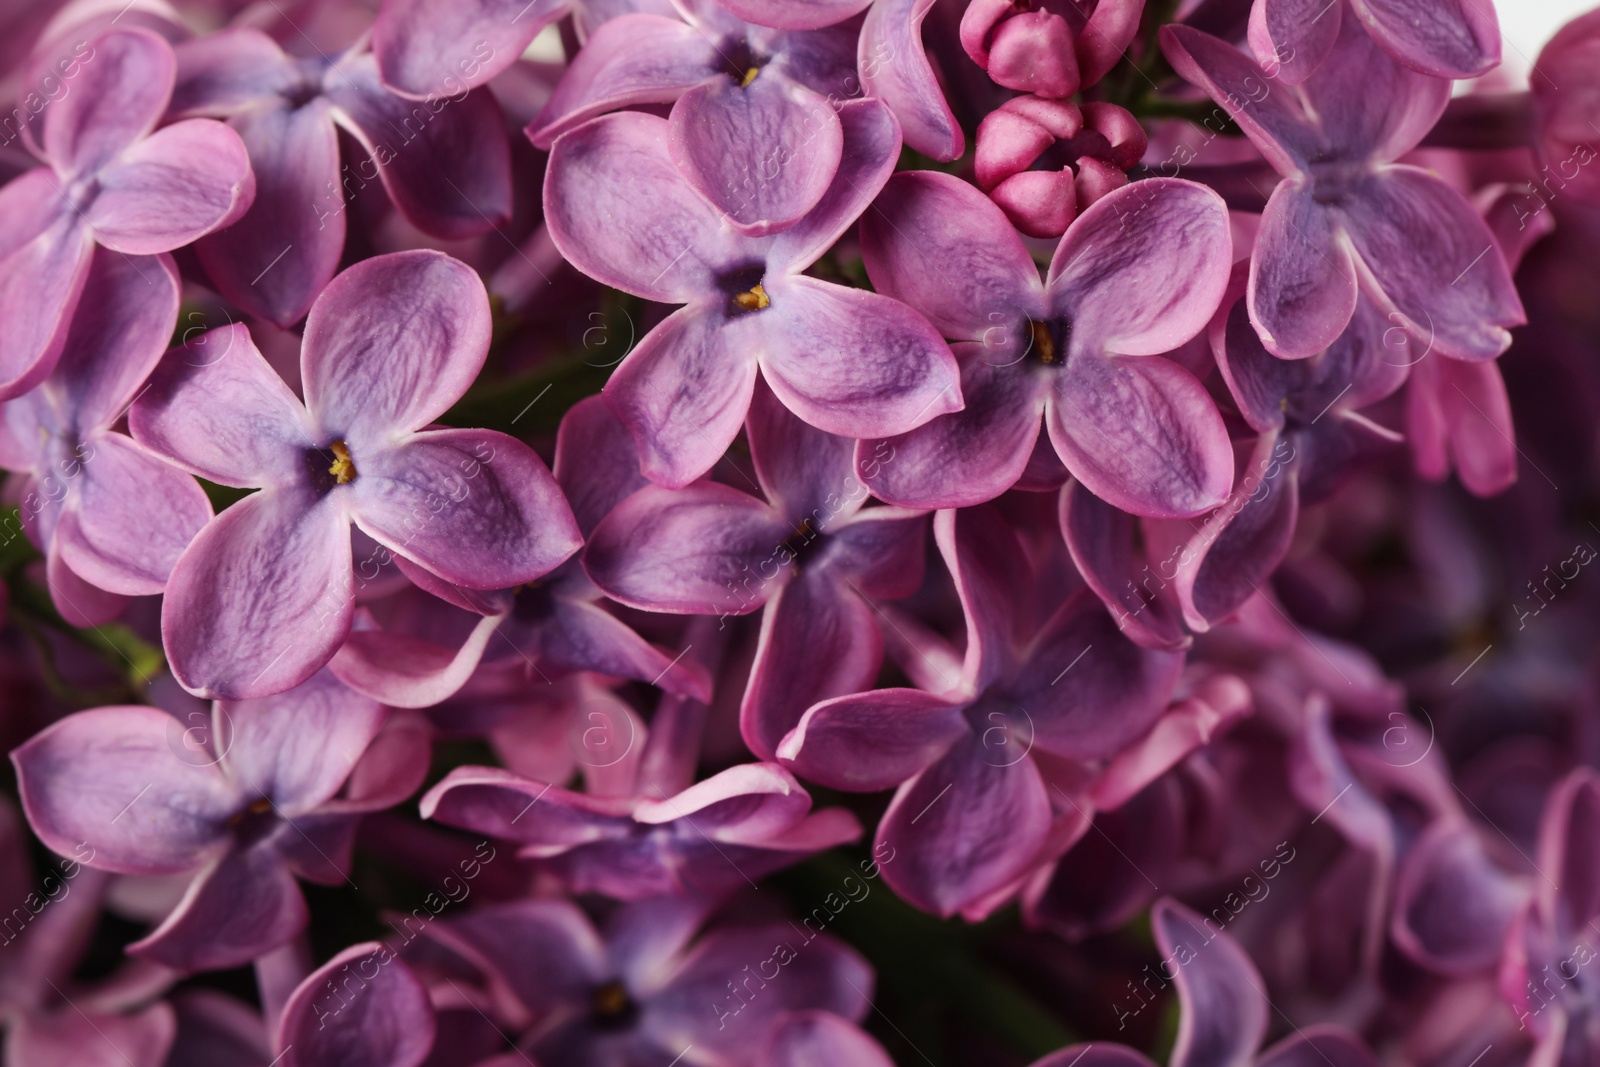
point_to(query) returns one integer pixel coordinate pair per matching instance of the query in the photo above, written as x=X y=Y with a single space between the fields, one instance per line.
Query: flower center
x=1047 y=342
x=612 y=1006
x=741 y=62
x=803 y=545
x=342 y=469
x=753 y=299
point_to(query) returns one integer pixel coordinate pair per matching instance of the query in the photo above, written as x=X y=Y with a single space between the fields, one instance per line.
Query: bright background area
x=1528 y=24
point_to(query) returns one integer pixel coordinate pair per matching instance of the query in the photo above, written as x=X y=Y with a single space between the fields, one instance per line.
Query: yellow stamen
x=343 y=470
x=262 y=806
x=749 y=76
x=1043 y=346
x=753 y=300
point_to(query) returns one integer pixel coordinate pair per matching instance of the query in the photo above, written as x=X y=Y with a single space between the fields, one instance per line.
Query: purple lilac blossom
x=111 y=180
x=263 y=598
x=443 y=161
x=846 y=361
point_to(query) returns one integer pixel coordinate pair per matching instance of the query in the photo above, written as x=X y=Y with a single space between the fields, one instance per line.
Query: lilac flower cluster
x=772 y=533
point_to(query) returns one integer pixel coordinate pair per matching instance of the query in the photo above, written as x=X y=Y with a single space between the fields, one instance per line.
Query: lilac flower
x=1222 y=1008
x=263 y=596
x=1306 y=413
x=110 y=182
x=261 y=791
x=1095 y=145
x=1052 y=48
x=1562 y=83
x=1074 y=689
x=894 y=67
x=1157 y=807
x=808 y=555
x=1442 y=38
x=1137 y=274
x=110 y=517
x=1348 y=217
x=644 y=989
x=754 y=126
x=556 y=625
x=363 y=1008
x=713 y=837
x=444 y=47
x=808 y=1038
x=846 y=361
x=50 y=1017
x=444 y=162
x=1552 y=939
x=1458 y=413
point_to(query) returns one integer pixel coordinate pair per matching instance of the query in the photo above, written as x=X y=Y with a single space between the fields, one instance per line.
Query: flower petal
x=799 y=467
x=40 y=283
x=422 y=46
x=1318 y=1045
x=387 y=1022
x=1443 y=38
x=1453 y=907
x=895 y=68
x=632 y=59
x=1142 y=271
x=475 y=507
x=410 y=672
x=818 y=640
x=118 y=335
x=620 y=212
x=444 y=161
x=545 y=951
x=826 y=975
x=178 y=184
x=91 y=1039
x=968 y=825
x=1102 y=542
x=1224 y=1008
x=1142 y=434
x=227 y=71
x=1232 y=556
x=763 y=153
x=809 y=1038
x=297 y=748
x=1477 y=413
x=116 y=99
x=684 y=391
x=705 y=549
x=134 y=515
x=854 y=363
x=1291 y=38
x=1273 y=120
x=391 y=343
x=1368 y=106
x=233 y=912
x=262 y=598
x=276 y=259
x=871 y=150
x=1088 y=691
x=216 y=408
x=967 y=456
x=596 y=464
x=940 y=245
x=1436 y=262
x=795 y=14
x=114 y=778
x=872 y=741
x=1302 y=275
